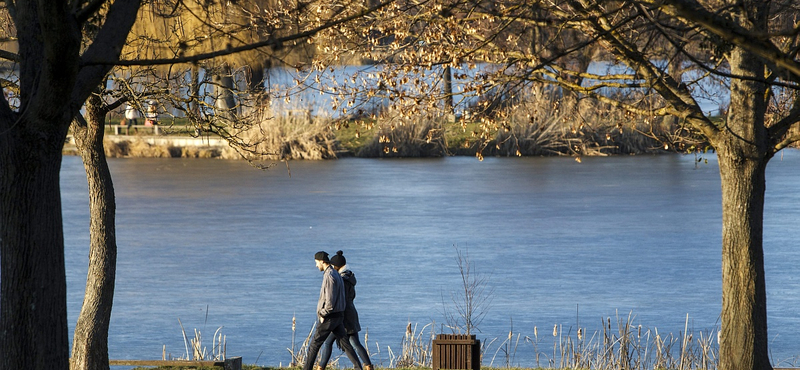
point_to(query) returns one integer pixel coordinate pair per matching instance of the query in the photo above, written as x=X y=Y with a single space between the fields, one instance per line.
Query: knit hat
x=338 y=260
x=321 y=256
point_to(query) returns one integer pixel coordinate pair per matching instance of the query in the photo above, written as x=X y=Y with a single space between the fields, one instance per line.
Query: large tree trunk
x=743 y=155
x=90 y=341
x=743 y=339
x=33 y=312
x=53 y=84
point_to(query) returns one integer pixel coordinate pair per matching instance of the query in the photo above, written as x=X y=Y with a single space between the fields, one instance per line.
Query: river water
x=217 y=243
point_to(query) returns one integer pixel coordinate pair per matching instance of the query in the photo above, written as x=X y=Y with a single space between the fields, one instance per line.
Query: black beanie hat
x=321 y=256
x=338 y=260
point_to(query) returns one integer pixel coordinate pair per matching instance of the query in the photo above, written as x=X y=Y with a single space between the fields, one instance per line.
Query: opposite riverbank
x=316 y=139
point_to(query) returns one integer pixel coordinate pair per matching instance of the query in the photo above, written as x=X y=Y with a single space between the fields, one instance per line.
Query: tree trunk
x=90 y=341
x=447 y=89
x=256 y=78
x=194 y=92
x=225 y=103
x=54 y=82
x=33 y=292
x=743 y=339
x=743 y=155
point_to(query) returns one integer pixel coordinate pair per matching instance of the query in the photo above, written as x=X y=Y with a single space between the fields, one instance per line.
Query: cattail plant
x=195 y=349
x=416 y=351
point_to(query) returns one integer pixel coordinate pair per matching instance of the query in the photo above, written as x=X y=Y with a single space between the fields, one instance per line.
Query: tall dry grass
x=419 y=135
x=282 y=138
x=299 y=353
x=619 y=345
x=537 y=123
x=415 y=349
x=137 y=147
x=545 y=123
x=195 y=349
x=272 y=138
x=626 y=346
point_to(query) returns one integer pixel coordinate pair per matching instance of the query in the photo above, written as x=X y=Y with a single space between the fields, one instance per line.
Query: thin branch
x=755 y=42
x=14 y=57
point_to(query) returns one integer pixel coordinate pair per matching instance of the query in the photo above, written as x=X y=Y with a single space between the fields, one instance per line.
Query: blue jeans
x=327 y=347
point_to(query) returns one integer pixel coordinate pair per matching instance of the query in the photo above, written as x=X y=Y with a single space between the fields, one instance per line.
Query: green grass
x=354 y=135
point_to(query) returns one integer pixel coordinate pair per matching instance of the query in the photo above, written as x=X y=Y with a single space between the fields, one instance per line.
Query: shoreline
x=165 y=146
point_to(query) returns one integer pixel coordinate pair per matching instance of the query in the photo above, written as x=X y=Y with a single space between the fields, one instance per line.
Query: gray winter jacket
x=332 y=294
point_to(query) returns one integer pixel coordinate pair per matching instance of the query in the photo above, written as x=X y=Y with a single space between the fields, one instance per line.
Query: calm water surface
x=219 y=244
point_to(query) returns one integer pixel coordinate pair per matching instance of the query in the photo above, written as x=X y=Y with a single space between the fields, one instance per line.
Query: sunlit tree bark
x=90 y=340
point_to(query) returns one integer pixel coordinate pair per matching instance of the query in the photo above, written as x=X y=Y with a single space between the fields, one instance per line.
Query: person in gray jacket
x=351 y=323
x=330 y=313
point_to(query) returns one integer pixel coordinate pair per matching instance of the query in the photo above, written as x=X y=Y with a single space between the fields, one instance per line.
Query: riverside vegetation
x=619 y=345
x=537 y=125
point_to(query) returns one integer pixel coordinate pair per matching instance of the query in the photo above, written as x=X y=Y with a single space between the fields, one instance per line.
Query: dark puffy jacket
x=350 y=313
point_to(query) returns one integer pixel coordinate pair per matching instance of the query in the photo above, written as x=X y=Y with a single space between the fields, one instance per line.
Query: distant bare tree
x=471 y=302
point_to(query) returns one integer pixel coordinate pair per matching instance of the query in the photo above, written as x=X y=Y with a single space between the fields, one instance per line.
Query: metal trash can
x=456 y=352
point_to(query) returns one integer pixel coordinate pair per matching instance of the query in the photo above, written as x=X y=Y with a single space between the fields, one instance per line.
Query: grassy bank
x=369 y=138
x=548 y=126
x=619 y=344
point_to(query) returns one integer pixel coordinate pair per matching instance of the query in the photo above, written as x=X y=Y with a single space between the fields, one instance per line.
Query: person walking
x=131 y=115
x=330 y=313
x=351 y=323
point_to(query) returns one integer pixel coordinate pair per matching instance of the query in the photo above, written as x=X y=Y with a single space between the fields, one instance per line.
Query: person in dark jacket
x=351 y=324
x=330 y=313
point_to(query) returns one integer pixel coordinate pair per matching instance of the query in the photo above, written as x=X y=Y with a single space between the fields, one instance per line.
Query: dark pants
x=333 y=325
x=327 y=348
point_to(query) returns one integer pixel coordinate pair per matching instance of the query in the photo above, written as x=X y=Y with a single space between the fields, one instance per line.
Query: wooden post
x=456 y=352
x=233 y=363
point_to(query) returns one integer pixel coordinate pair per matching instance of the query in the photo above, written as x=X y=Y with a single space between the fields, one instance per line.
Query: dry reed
x=546 y=123
x=196 y=351
x=282 y=138
x=626 y=346
x=416 y=348
x=623 y=346
x=417 y=137
x=299 y=355
x=541 y=122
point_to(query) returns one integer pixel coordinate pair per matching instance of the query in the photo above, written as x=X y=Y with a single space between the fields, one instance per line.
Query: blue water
x=220 y=244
